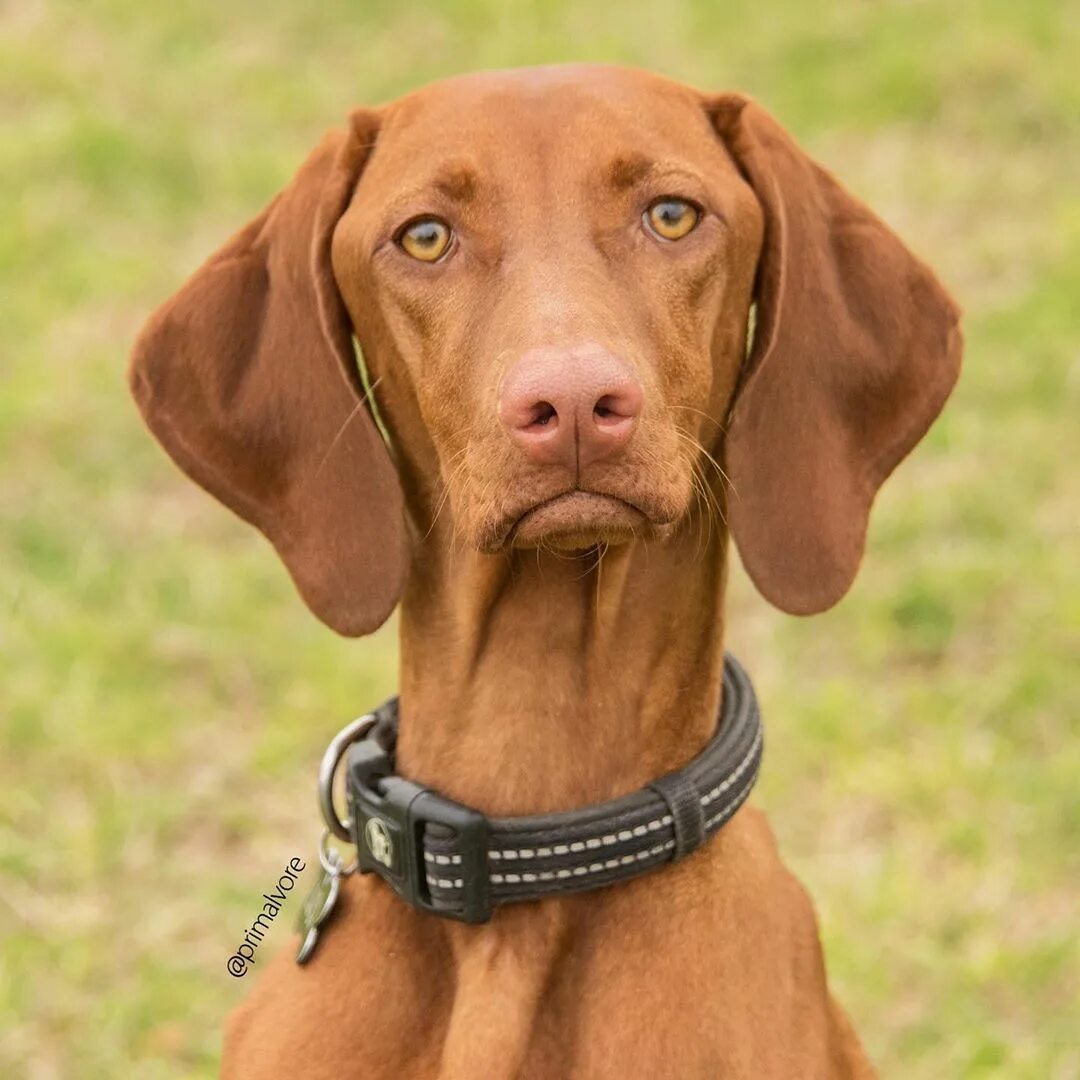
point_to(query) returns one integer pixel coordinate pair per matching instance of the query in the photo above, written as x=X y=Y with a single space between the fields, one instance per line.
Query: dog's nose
x=570 y=406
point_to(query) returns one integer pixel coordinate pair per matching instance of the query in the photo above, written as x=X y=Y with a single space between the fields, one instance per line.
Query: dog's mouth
x=576 y=520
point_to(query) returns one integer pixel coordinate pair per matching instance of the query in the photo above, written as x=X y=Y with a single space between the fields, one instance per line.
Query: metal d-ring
x=328 y=768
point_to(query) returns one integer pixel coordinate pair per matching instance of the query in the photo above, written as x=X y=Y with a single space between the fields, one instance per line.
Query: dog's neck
x=534 y=682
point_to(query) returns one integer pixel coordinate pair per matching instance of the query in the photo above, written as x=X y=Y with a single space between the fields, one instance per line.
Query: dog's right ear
x=247 y=377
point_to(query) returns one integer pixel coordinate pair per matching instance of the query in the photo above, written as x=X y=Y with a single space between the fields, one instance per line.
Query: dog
x=601 y=321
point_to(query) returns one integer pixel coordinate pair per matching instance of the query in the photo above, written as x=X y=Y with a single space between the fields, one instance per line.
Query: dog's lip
x=574 y=511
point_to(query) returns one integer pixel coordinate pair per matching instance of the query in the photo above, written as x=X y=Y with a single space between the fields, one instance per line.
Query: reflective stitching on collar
x=627 y=834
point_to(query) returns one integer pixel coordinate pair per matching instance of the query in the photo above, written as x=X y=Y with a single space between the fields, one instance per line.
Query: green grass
x=164 y=695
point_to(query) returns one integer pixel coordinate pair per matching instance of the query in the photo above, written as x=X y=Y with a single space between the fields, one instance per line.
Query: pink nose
x=570 y=406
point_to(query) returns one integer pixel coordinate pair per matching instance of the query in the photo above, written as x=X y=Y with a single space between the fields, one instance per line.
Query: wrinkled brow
x=457 y=181
x=628 y=170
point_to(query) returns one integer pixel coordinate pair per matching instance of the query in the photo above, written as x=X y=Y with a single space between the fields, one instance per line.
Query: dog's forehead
x=573 y=116
x=573 y=86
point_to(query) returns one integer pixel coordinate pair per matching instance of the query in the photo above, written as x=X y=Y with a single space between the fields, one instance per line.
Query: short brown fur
x=577 y=667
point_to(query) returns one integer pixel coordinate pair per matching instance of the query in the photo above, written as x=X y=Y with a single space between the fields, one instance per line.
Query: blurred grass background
x=164 y=696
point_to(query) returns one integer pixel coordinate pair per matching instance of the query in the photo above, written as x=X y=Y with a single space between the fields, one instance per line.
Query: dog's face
x=550 y=273
x=559 y=264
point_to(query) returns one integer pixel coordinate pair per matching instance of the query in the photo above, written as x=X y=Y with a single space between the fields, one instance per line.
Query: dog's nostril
x=607 y=408
x=543 y=414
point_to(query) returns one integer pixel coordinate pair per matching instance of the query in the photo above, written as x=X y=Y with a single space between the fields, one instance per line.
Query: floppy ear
x=247 y=377
x=855 y=350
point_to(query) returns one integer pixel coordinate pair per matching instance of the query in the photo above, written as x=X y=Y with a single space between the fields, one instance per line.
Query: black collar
x=447 y=859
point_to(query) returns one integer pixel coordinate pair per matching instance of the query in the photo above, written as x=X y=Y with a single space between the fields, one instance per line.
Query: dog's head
x=550 y=274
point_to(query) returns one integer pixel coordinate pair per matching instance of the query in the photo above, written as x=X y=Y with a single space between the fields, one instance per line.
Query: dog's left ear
x=248 y=378
x=856 y=347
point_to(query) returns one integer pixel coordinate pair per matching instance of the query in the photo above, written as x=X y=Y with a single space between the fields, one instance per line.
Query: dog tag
x=318 y=904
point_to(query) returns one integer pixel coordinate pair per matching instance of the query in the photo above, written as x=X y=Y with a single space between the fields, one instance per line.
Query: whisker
x=353 y=413
x=446 y=485
x=712 y=419
x=700 y=450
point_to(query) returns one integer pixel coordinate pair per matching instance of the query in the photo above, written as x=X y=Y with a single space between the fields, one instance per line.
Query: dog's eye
x=670 y=218
x=425 y=238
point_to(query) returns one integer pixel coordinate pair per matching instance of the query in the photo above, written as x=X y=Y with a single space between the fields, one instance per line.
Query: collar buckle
x=398 y=828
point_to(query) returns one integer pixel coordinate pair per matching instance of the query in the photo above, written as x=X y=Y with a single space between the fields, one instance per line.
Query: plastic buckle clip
x=388 y=816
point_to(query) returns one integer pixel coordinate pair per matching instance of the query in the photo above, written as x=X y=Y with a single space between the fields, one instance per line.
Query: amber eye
x=672 y=219
x=425 y=239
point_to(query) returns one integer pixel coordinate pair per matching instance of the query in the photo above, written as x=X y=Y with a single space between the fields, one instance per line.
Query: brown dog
x=549 y=273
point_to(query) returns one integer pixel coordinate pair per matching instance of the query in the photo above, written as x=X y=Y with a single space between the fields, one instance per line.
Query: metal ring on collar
x=330 y=860
x=357 y=729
